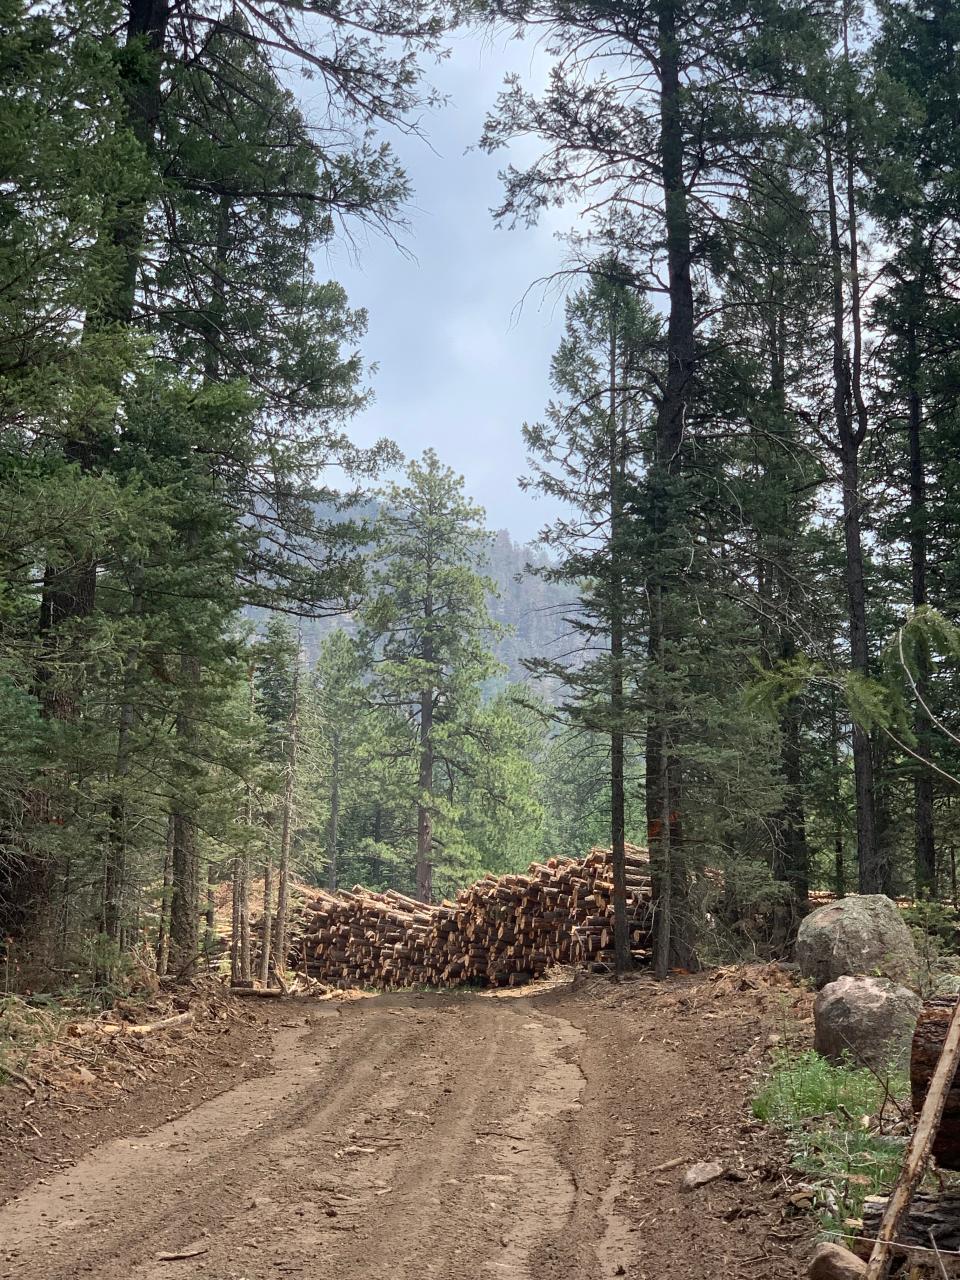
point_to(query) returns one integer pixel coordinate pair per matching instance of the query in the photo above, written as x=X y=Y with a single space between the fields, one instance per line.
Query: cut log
x=164 y=1024
x=927 y=1043
x=931 y=1219
x=499 y=931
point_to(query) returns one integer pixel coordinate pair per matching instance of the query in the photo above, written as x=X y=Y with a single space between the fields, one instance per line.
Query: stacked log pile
x=501 y=931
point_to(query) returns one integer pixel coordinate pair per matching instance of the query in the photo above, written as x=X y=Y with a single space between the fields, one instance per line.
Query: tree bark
x=117 y=838
x=235 y=920
x=851 y=424
x=185 y=905
x=163 y=932
x=670 y=879
x=185 y=896
x=925 y=860
x=333 y=824
x=618 y=835
x=287 y=822
x=424 y=814
x=267 y=938
x=796 y=853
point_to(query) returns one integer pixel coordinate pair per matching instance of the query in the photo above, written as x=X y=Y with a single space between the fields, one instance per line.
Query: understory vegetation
x=844 y=1127
x=236 y=648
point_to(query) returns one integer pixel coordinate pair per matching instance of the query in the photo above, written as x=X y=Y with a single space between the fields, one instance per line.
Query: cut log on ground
x=918 y=1149
x=164 y=1024
x=931 y=1219
x=501 y=931
x=927 y=1043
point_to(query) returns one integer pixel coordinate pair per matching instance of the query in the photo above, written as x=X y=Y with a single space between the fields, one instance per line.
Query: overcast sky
x=461 y=364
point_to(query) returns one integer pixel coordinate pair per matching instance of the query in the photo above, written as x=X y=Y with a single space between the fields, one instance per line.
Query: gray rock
x=870 y=1019
x=863 y=933
x=946 y=984
x=698 y=1175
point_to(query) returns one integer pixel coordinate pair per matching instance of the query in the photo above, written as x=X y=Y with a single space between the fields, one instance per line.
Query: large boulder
x=864 y=933
x=872 y=1020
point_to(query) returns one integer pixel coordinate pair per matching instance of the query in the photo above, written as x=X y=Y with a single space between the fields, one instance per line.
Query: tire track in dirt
x=381 y=1134
x=447 y=1137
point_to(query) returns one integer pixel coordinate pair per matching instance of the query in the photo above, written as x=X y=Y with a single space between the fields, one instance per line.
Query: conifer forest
x=271 y=692
x=230 y=649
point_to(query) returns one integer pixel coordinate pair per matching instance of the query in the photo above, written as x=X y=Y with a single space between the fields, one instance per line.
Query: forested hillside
x=534 y=613
x=738 y=644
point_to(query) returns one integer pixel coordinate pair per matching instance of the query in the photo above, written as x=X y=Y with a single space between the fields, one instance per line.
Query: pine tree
x=426 y=625
x=341 y=723
x=591 y=453
x=661 y=154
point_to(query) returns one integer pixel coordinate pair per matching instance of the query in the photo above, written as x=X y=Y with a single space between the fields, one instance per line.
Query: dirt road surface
x=446 y=1137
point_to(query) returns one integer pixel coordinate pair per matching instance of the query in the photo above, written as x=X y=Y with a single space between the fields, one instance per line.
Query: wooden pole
x=918 y=1151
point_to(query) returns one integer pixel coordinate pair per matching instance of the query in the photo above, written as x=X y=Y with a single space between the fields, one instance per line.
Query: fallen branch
x=7 y=1074
x=148 y=1028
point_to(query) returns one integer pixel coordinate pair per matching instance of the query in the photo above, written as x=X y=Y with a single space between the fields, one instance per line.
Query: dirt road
x=447 y=1137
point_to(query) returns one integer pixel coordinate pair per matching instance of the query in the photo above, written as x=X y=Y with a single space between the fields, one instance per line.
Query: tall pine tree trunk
x=185 y=861
x=184 y=922
x=184 y=896
x=851 y=425
x=287 y=823
x=621 y=934
x=672 y=924
x=163 y=933
x=267 y=931
x=424 y=811
x=925 y=860
x=779 y=569
x=333 y=823
x=117 y=836
x=241 y=921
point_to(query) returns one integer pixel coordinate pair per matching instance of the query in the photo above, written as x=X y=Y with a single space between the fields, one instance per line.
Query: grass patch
x=25 y=1026
x=837 y=1121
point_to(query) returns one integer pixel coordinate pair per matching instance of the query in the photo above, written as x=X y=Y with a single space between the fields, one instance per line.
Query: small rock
x=698 y=1175
x=833 y=1262
x=799 y=1202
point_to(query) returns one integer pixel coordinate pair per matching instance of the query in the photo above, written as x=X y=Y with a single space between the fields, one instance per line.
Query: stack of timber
x=501 y=931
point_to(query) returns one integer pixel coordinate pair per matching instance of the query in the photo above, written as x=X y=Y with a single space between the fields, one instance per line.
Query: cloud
x=461 y=363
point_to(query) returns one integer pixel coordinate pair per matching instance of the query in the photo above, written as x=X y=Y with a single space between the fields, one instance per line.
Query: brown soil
x=445 y=1137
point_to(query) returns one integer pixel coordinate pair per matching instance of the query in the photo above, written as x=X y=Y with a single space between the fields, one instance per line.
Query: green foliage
x=833 y=1118
x=174 y=385
x=427 y=631
x=747 y=914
